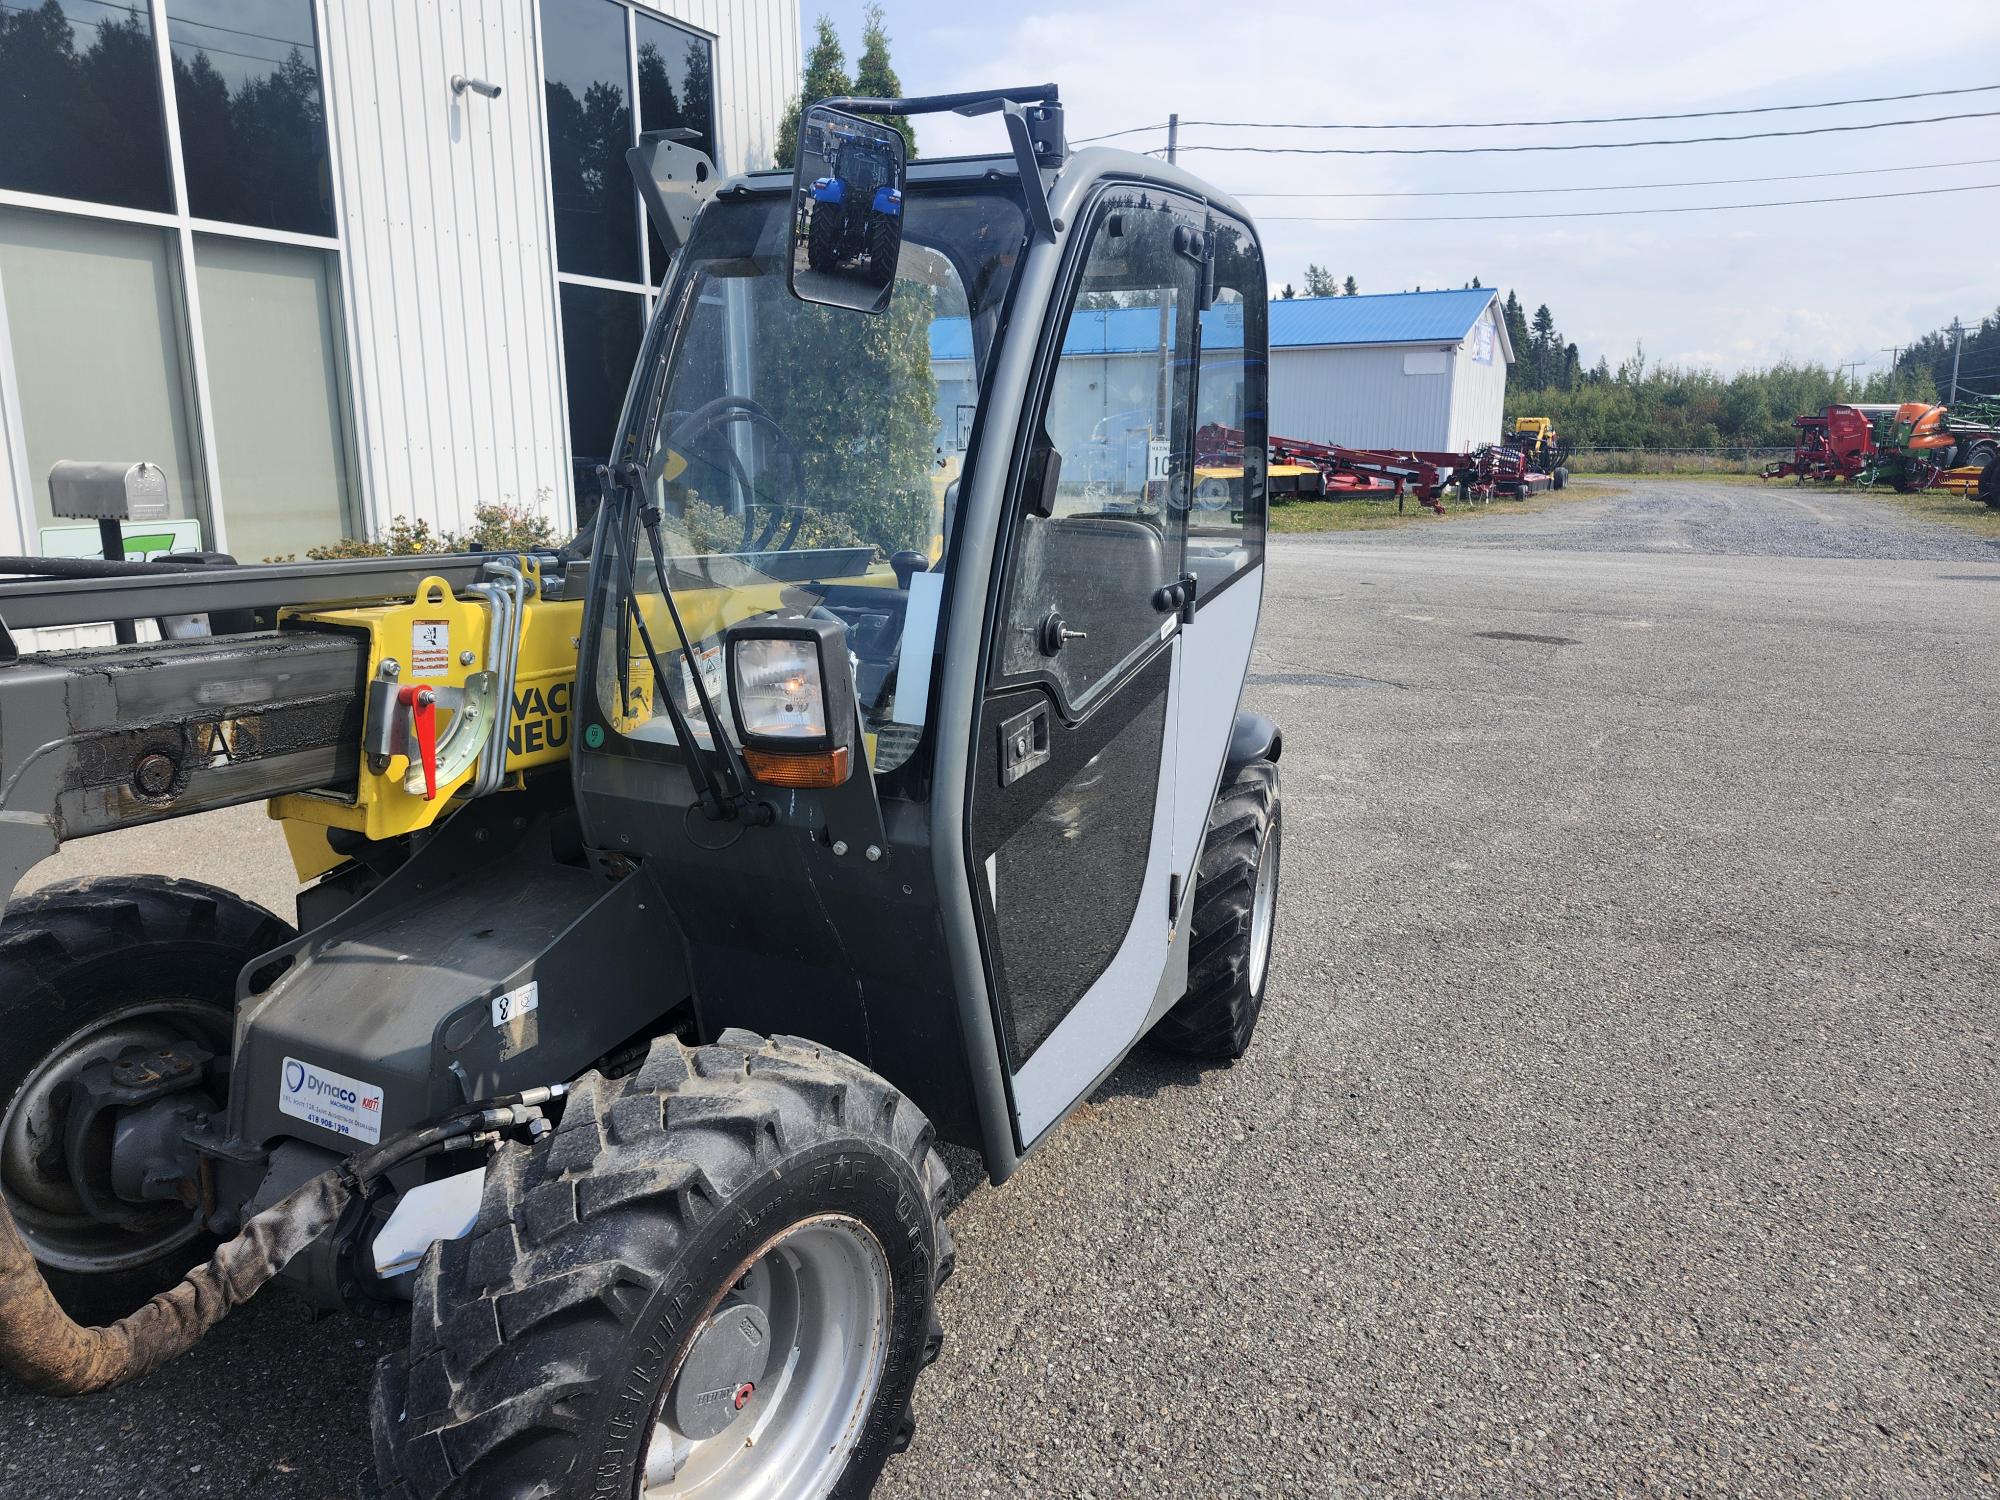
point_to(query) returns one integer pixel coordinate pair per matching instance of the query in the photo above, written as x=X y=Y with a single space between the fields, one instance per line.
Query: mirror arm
x=1034 y=191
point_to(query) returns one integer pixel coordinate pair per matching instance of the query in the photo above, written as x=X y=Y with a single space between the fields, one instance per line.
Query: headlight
x=779 y=692
x=793 y=693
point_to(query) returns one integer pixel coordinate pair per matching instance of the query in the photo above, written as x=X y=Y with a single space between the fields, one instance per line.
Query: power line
x=1537 y=125
x=1638 y=187
x=1689 y=140
x=1112 y=135
x=1618 y=213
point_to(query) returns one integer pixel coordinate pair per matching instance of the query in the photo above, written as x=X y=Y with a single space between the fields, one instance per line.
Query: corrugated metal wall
x=1478 y=392
x=1360 y=398
x=448 y=267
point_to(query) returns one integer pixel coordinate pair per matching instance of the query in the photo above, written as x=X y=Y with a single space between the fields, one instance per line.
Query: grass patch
x=1296 y=516
x=1943 y=506
x=1715 y=476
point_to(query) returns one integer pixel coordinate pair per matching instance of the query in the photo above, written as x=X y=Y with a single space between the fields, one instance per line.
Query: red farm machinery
x=1300 y=469
x=1909 y=447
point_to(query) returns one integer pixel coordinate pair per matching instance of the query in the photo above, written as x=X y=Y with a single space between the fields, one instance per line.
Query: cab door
x=1073 y=802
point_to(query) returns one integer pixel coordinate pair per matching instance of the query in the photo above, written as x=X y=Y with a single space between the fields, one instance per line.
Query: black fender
x=1255 y=737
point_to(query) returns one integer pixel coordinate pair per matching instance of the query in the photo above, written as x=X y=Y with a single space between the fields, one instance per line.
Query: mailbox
x=89 y=491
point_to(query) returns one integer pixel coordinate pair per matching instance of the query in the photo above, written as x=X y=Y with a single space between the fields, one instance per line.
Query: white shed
x=1411 y=370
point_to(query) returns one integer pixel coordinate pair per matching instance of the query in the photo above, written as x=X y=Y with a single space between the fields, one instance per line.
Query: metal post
x=1163 y=409
x=1957 y=348
x=111 y=536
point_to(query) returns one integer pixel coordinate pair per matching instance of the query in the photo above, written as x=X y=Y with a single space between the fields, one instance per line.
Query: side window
x=1080 y=595
x=1226 y=526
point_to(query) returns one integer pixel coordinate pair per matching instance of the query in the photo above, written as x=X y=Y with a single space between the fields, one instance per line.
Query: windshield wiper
x=717 y=802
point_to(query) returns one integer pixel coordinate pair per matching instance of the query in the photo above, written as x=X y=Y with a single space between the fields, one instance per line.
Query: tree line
x=1637 y=404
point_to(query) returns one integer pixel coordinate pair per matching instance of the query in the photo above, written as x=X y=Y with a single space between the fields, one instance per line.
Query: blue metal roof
x=1385 y=318
x=1301 y=322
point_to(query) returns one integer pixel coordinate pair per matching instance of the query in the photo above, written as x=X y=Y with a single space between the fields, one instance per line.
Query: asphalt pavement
x=1623 y=1116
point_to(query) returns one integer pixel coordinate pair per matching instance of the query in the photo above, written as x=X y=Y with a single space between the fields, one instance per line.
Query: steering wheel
x=785 y=516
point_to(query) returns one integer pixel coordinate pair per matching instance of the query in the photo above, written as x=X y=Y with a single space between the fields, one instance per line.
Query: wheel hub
x=775 y=1388
x=722 y=1370
x=34 y=1169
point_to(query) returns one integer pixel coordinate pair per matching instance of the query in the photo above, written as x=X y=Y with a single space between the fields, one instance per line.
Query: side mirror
x=847 y=210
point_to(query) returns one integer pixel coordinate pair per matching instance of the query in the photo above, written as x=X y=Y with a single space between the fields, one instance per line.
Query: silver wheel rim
x=823 y=1287
x=47 y=1211
x=1263 y=910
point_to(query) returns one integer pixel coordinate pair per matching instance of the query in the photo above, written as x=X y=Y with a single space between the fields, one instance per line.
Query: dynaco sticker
x=430 y=648
x=515 y=1019
x=330 y=1100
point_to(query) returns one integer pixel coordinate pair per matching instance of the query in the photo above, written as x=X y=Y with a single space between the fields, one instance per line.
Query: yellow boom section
x=443 y=642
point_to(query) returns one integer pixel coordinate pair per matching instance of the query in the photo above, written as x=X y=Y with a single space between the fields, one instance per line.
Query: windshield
x=806 y=457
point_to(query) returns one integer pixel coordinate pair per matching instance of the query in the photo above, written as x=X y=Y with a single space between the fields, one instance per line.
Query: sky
x=1828 y=283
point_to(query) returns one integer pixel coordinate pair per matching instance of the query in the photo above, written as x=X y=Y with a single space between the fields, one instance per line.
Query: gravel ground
x=1622 y=1120
x=1720 y=520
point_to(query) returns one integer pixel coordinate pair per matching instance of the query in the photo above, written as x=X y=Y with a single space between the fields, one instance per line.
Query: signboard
x=1482 y=343
x=143 y=539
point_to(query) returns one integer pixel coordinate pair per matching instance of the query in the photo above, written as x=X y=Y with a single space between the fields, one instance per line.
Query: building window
x=252 y=116
x=598 y=56
x=80 y=103
x=94 y=326
x=279 y=433
x=145 y=289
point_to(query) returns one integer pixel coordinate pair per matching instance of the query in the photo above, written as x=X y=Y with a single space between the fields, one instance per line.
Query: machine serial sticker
x=430 y=648
x=330 y=1100
x=515 y=1019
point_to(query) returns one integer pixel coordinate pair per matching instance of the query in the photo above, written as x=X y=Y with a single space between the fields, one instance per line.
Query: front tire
x=89 y=968
x=761 y=1218
x=1235 y=921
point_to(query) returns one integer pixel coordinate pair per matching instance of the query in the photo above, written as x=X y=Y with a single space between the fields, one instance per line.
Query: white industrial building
x=1409 y=370
x=307 y=260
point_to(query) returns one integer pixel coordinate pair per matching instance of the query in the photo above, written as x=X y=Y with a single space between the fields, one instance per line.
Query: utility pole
x=1854 y=364
x=1957 y=348
x=1165 y=427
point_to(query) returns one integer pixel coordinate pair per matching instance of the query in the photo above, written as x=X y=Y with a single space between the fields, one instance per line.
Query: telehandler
x=669 y=896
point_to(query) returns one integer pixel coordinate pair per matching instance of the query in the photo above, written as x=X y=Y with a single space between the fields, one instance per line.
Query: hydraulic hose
x=43 y=1348
x=46 y=1350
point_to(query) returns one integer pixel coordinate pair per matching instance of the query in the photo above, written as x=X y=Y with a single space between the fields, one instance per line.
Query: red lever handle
x=422 y=703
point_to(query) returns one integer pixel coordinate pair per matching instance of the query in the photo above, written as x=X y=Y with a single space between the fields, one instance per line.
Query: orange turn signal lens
x=815 y=768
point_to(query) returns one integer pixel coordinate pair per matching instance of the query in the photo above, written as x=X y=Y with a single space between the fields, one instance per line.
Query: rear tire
x=87 y=969
x=884 y=244
x=546 y=1348
x=823 y=237
x=1989 y=483
x=1560 y=477
x=1234 y=922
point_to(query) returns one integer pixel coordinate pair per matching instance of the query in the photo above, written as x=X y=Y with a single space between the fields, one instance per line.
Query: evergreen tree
x=874 y=78
x=1349 y=289
x=1289 y=292
x=881 y=468
x=1320 y=282
x=825 y=77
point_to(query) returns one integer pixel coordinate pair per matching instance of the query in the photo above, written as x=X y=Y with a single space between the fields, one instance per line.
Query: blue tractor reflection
x=857 y=211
